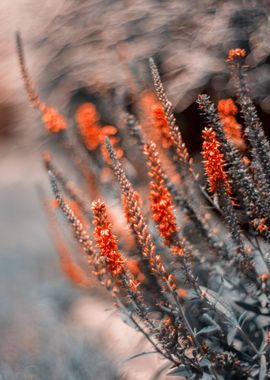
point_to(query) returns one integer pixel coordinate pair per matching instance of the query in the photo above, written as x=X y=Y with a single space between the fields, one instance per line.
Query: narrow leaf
x=231 y=335
x=208 y=329
x=263 y=368
x=180 y=371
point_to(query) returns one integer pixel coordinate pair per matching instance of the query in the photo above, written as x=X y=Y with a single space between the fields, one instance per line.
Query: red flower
x=161 y=124
x=93 y=133
x=88 y=124
x=160 y=198
x=182 y=293
x=261 y=225
x=71 y=269
x=213 y=161
x=227 y=107
x=227 y=111
x=135 y=269
x=236 y=53
x=137 y=222
x=106 y=241
x=53 y=120
x=264 y=277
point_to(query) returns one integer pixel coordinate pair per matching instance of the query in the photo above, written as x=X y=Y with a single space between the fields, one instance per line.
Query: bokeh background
x=86 y=51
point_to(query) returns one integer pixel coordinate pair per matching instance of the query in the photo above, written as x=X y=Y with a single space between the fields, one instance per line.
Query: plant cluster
x=191 y=271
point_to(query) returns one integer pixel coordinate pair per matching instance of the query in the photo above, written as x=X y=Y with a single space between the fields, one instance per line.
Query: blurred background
x=92 y=51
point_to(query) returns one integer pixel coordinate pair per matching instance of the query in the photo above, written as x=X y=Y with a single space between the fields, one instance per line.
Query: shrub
x=195 y=283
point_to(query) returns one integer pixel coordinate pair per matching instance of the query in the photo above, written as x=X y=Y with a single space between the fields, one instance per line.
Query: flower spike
x=214 y=162
x=174 y=131
x=51 y=118
x=160 y=198
x=106 y=241
x=138 y=223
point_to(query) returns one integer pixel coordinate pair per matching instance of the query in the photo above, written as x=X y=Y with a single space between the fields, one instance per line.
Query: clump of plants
x=187 y=258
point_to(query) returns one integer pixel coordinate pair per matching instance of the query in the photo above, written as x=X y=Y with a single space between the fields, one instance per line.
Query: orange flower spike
x=236 y=53
x=54 y=204
x=93 y=134
x=106 y=241
x=264 y=277
x=137 y=221
x=134 y=268
x=67 y=263
x=213 y=161
x=260 y=225
x=156 y=122
x=161 y=124
x=182 y=293
x=88 y=123
x=108 y=130
x=72 y=270
x=160 y=198
x=227 y=110
x=227 y=107
x=52 y=119
x=148 y=99
x=167 y=321
x=107 y=244
x=154 y=125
